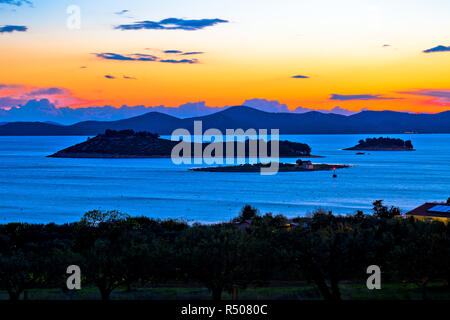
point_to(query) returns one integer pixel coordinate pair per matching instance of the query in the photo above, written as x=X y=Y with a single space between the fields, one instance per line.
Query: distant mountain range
x=376 y=122
x=45 y=111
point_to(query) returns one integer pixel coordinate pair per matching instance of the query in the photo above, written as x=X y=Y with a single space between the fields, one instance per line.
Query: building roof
x=431 y=209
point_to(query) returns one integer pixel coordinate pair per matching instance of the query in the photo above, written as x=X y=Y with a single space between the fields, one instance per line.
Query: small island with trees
x=383 y=144
x=120 y=144
x=131 y=144
x=299 y=166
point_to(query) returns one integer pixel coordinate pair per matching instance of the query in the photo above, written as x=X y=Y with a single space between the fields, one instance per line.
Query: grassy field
x=436 y=291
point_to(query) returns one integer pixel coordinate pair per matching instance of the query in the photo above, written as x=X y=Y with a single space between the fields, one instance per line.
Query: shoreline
x=126 y=156
x=283 y=167
x=377 y=149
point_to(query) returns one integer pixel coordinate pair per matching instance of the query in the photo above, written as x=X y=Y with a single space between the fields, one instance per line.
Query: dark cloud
x=130 y=57
x=386 y=45
x=189 y=61
x=343 y=97
x=437 y=49
x=171 y=24
x=299 y=76
x=23 y=94
x=141 y=57
x=191 y=53
x=181 y=53
x=107 y=76
x=113 y=56
x=16 y=3
x=122 y=12
x=441 y=96
x=47 y=91
x=129 y=78
x=173 y=51
x=10 y=86
x=9 y=28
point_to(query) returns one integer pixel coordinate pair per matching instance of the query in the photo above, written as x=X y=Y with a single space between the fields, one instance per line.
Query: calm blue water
x=34 y=188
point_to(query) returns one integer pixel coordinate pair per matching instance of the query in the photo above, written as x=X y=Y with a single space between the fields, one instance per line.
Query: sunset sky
x=316 y=54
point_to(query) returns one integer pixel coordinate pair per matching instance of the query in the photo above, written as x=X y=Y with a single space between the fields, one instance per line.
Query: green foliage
x=95 y=217
x=247 y=213
x=381 y=211
x=115 y=250
x=422 y=254
x=217 y=256
x=32 y=255
x=385 y=142
x=328 y=250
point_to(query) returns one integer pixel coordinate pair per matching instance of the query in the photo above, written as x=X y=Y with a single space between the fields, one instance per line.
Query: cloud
x=173 y=51
x=45 y=110
x=342 y=97
x=299 y=76
x=16 y=3
x=129 y=78
x=335 y=110
x=437 y=49
x=171 y=24
x=188 y=110
x=130 y=57
x=10 y=28
x=181 y=53
x=440 y=97
x=275 y=106
x=13 y=95
x=107 y=76
x=191 y=53
x=386 y=45
x=141 y=57
x=10 y=86
x=47 y=91
x=266 y=105
x=122 y=12
x=8 y=101
x=188 y=61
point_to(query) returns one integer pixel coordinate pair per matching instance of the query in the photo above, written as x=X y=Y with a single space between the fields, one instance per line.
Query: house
x=291 y=225
x=431 y=211
x=307 y=165
x=243 y=224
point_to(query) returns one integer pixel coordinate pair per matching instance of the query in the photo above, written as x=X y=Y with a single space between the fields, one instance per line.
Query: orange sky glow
x=370 y=56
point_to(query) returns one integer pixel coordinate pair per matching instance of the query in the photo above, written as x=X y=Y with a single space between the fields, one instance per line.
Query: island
x=299 y=166
x=383 y=144
x=131 y=144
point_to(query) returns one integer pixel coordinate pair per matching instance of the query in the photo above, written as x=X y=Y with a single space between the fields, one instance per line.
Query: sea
x=37 y=189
